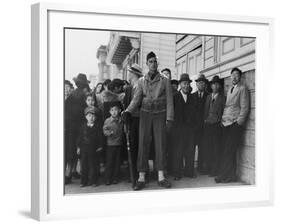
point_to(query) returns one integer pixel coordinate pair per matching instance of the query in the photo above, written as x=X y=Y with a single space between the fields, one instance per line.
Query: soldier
x=234 y=116
x=154 y=94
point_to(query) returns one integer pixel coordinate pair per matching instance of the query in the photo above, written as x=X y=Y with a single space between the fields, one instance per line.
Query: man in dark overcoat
x=212 y=127
x=199 y=98
x=75 y=105
x=182 y=152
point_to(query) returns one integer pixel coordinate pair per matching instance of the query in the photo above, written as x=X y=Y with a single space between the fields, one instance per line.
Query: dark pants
x=152 y=125
x=71 y=137
x=212 y=147
x=231 y=136
x=198 y=141
x=134 y=143
x=89 y=167
x=183 y=153
x=112 y=163
x=70 y=146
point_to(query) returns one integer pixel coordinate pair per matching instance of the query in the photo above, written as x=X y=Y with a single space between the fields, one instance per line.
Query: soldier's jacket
x=154 y=96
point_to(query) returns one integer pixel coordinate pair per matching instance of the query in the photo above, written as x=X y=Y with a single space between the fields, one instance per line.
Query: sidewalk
x=124 y=185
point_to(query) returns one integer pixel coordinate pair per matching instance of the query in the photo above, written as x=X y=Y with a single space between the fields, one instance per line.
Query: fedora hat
x=136 y=69
x=185 y=77
x=201 y=78
x=216 y=79
x=82 y=78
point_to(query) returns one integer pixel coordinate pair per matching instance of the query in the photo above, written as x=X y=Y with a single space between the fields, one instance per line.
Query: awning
x=123 y=48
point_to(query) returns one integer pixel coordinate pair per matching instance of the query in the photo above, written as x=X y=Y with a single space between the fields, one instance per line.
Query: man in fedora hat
x=134 y=73
x=212 y=129
x=199 y=100
x=182 y=154
x=154 y=94
x=74 y=116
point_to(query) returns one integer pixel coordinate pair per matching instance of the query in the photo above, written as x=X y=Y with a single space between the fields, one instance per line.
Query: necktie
x=232 y=89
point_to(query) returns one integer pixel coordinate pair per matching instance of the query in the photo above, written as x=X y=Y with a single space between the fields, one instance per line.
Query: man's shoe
x=115 y=182
x=190 y=175
x=139 y=185
x=76 y=175
x=177 y=178
x=164 y=183
x=229 y=180
x=212 y=175
x=67 y=180
x=218 y=180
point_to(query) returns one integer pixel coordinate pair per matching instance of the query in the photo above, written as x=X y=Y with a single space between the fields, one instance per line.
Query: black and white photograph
x=154 y=111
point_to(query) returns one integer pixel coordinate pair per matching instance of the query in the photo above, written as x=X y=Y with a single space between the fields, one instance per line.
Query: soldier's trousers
x=152 y=125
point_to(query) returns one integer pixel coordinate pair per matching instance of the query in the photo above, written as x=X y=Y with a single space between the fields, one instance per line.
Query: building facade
x=216 y=55
x=126 y=48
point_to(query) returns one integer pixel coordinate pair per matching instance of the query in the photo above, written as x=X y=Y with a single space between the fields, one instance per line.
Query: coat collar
x=156 y=78
x=235 y=88
x=204 y=93
x=118 y=119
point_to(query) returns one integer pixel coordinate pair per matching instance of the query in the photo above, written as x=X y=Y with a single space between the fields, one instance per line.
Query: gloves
x=126 y=115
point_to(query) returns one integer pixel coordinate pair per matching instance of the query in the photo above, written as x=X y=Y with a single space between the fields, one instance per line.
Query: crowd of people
x=166 y=120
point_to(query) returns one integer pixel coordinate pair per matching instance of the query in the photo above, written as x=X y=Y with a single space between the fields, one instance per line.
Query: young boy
x=113 y=130
x=89 y=146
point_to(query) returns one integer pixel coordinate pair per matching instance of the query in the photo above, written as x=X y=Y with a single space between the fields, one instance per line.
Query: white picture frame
x=48 y=200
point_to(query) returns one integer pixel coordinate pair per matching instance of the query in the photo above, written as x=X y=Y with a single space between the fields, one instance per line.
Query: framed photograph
x=148 y=111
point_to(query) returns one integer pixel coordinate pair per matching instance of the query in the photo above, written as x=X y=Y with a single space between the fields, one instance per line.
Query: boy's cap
x=92 y=110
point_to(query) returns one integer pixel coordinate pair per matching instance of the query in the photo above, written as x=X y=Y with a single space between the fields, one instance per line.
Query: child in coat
x=113 y=130
x=89 y=146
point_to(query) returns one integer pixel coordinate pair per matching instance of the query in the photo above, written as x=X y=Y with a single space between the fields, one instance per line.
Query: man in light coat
x=233 y=118
x=154 y=94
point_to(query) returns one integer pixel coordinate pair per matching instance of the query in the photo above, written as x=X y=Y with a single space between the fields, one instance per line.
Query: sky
x=80 y=51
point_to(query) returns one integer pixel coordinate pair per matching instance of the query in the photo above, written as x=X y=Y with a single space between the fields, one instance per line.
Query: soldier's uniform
x=156 y=99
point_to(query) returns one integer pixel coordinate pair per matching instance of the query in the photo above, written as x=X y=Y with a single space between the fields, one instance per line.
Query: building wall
x=211 y=55
x=163 y=45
